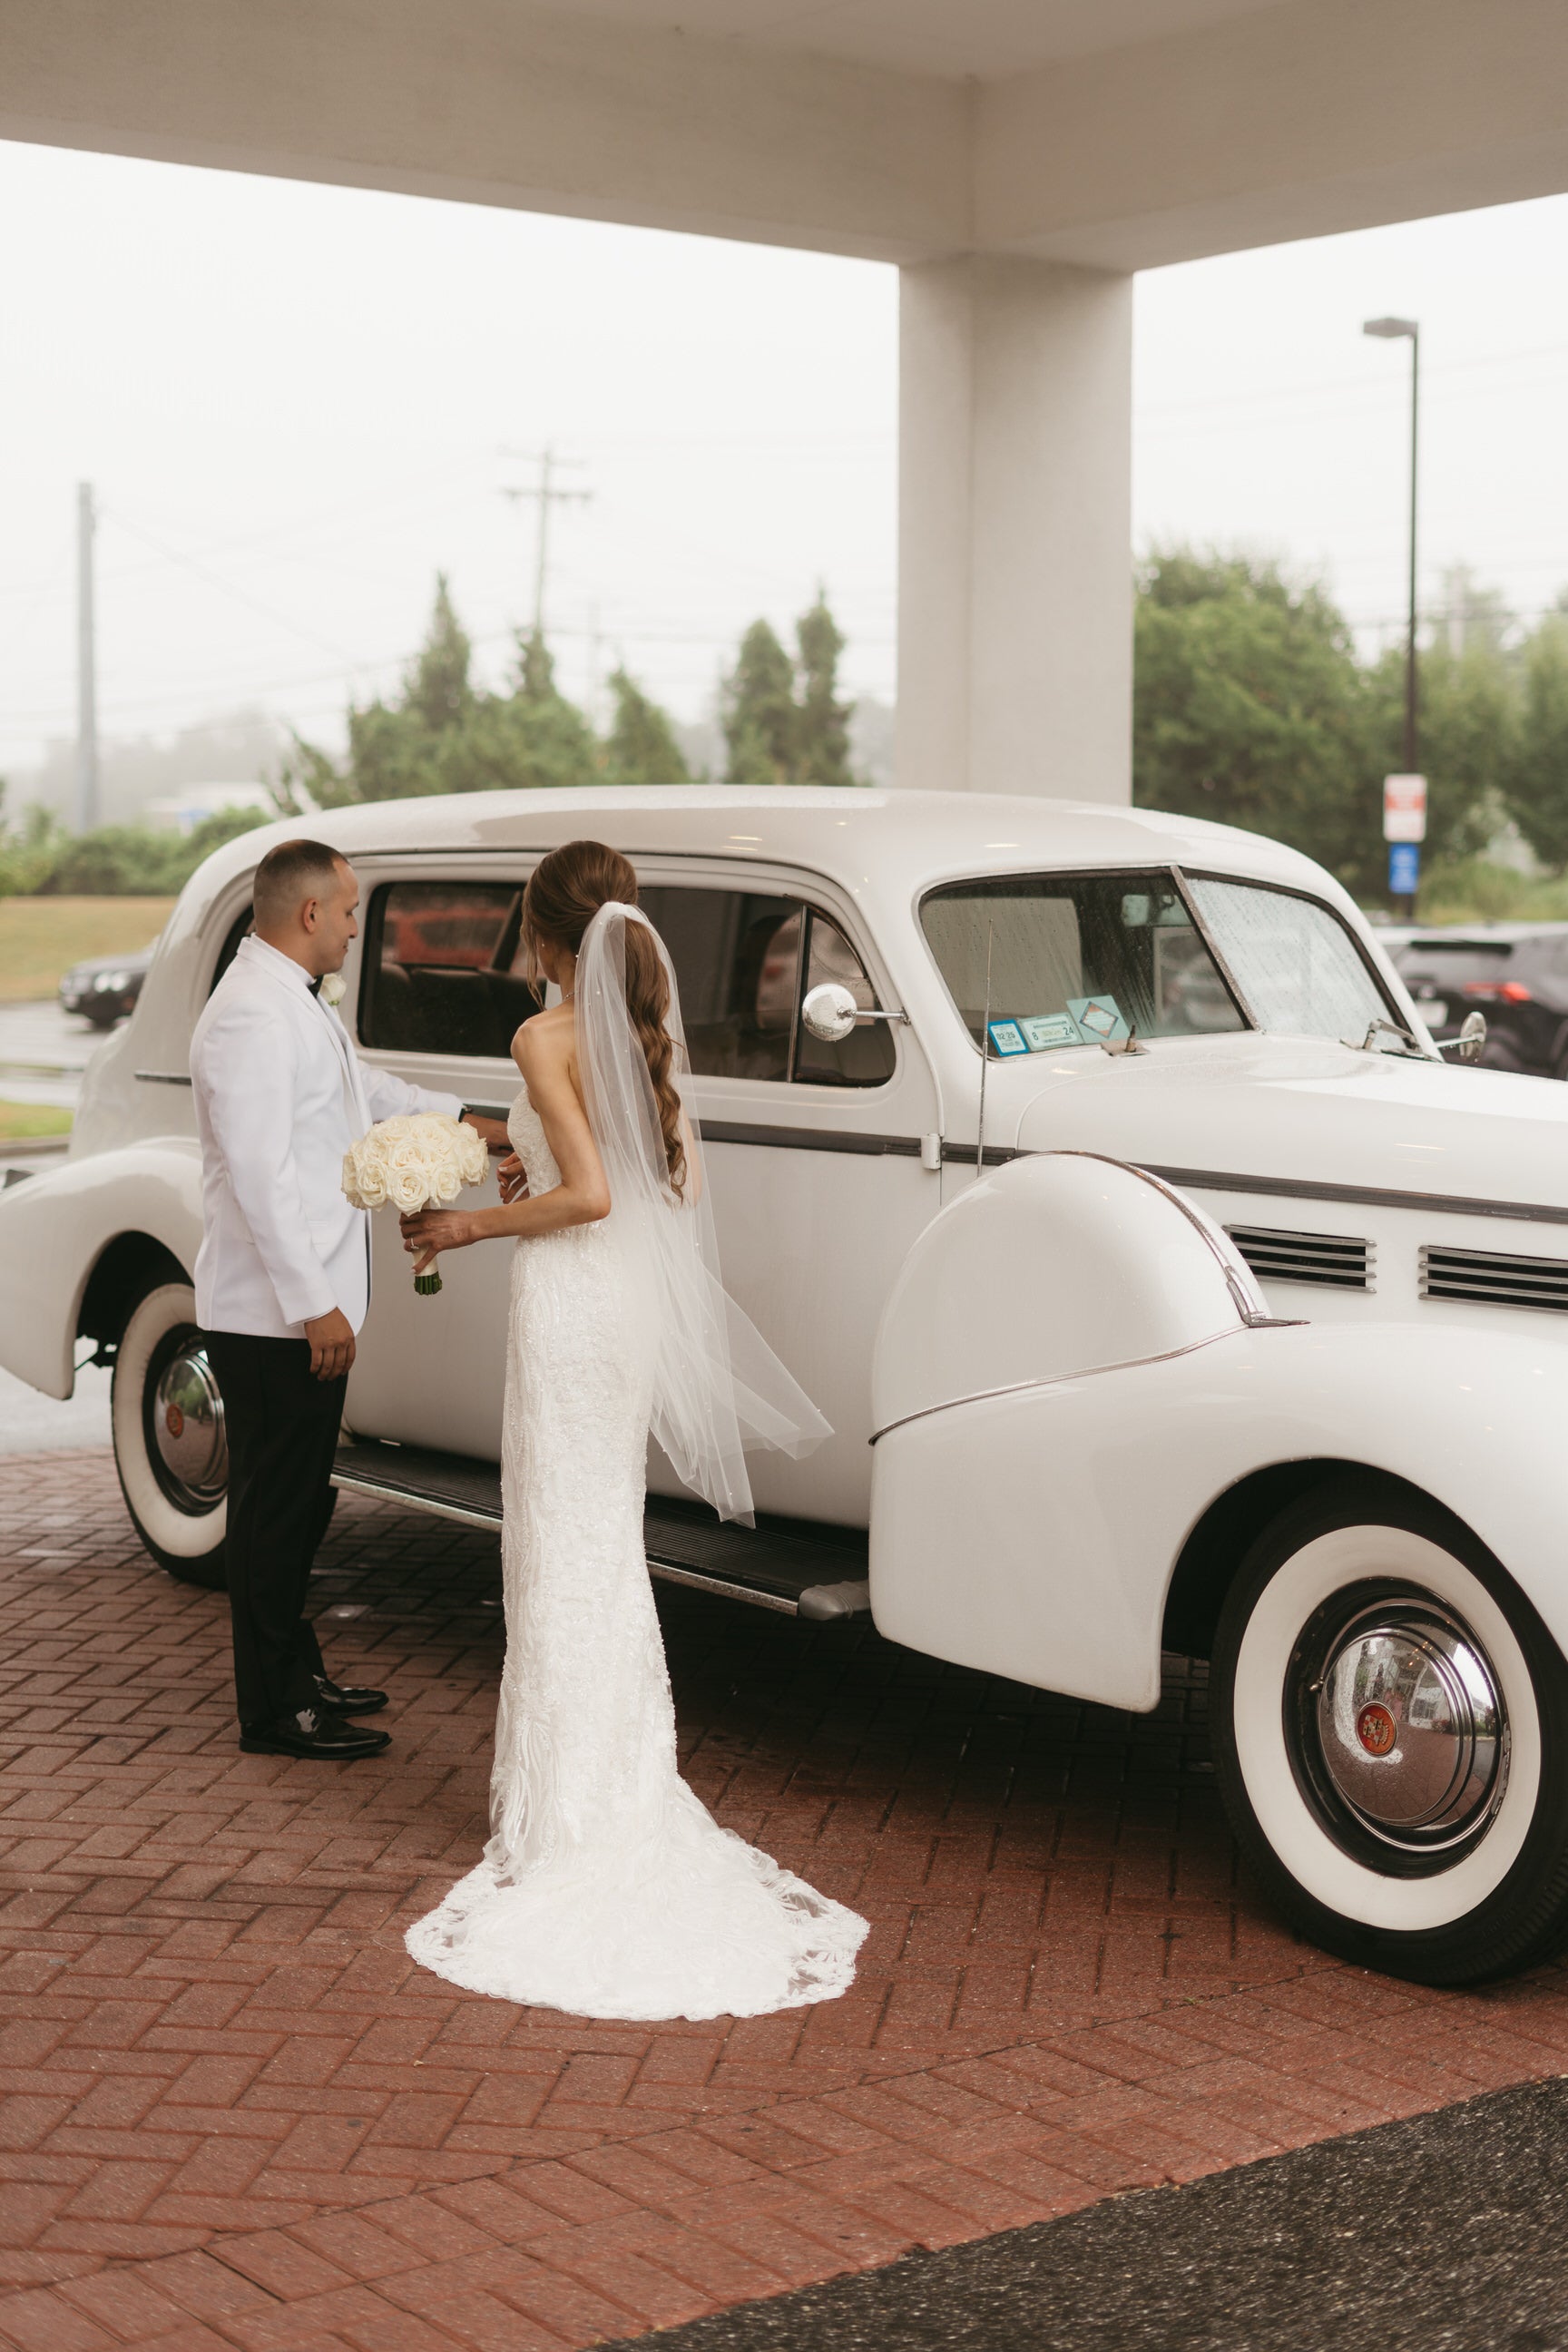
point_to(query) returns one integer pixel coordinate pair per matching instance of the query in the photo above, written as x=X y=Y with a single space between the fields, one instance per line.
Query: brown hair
x=565 y=891
x=291 y=873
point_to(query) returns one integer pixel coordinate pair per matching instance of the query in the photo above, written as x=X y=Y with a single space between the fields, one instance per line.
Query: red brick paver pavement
x=232 y=2114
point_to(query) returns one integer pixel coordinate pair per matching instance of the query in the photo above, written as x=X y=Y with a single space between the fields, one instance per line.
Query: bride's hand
x=512 y=1179
x=433 y=1231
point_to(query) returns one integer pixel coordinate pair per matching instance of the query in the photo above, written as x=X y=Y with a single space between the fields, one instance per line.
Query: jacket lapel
x=359 y=1109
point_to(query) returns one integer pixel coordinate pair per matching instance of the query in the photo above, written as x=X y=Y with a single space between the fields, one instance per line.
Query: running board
x=795 y=1566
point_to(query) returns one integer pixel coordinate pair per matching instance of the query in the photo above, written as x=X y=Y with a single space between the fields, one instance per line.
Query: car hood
x=1313 y=1111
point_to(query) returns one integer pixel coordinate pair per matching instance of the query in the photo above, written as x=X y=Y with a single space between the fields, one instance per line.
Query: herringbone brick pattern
x=232 y=2114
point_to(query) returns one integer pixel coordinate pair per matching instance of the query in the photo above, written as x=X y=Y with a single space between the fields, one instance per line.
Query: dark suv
x=1516 y=973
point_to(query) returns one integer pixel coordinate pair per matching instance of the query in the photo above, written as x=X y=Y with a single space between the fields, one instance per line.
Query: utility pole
x=546 y=494
x=87 y=667
x=1404 y=868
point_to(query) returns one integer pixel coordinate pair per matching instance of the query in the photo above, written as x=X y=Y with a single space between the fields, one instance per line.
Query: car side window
x=230 y=948
x=737 y=965
x=743 y=959
x=865 y=1057
x=437 y=974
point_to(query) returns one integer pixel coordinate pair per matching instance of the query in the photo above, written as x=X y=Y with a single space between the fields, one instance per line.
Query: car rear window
x=1452 y=962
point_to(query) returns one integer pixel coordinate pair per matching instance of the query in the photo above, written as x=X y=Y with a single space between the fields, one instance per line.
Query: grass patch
x=42 y=938
x=21 y=1122
x=1478 y=892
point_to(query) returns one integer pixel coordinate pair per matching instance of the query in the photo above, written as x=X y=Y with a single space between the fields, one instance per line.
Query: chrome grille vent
x=1490 y=1276
x=1333 y=1261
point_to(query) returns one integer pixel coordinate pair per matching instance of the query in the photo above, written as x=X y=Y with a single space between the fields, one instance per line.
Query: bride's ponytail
x=565 y=891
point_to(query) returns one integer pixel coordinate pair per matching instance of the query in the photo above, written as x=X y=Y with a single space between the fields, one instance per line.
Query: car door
x=437 y=997
x=814 y=1149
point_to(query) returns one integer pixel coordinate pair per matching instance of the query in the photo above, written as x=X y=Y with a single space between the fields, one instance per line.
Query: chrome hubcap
x=1410 y=1725
x=187 y=1427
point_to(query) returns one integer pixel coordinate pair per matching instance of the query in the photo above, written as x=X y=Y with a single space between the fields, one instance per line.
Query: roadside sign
x=1405 y=808
x=1404 y=868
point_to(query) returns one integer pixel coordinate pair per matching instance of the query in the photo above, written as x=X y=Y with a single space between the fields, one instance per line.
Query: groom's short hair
x=293 y=872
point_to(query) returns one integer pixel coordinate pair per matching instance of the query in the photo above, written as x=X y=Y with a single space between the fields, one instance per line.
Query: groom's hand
x=332 y=1338
x=493 y=1131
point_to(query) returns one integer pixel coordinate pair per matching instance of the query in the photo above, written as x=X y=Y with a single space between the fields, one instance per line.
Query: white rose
x=405 y=1188
x=334 y=988
x=370 y=1187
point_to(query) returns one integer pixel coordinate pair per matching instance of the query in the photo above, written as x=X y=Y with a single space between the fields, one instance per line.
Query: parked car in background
x=104 y=989
x=1090 y=1170
x=1515 y=973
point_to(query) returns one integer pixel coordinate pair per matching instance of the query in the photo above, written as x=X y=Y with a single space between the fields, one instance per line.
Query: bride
x=607 y=1889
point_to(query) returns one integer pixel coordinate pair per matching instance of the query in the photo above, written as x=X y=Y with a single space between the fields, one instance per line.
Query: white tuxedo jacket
x=280 y=1094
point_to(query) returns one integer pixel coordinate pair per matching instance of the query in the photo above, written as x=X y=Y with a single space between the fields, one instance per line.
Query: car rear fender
x=56 y=1230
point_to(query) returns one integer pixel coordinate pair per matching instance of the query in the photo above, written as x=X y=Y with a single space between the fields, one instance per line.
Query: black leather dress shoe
x=312 y=1731
x=347 y=1699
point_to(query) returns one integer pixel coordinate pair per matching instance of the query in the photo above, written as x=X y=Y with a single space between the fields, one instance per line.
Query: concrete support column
x=1015 y=528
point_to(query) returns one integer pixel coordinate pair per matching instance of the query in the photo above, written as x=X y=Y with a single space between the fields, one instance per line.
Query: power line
x=216 y=580
x=545 y=496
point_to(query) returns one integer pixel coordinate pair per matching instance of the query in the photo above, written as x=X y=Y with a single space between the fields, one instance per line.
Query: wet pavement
x=1443 y=2235
x=233 y=2113
x=43 y=1053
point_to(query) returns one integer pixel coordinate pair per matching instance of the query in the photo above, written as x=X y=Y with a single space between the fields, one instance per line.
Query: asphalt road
x=43 y=1053
x=1446 y=2233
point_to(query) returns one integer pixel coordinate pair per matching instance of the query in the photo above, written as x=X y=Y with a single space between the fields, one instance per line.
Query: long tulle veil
x=718 y=1386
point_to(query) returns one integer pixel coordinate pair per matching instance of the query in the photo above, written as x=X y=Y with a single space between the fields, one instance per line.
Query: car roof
x=887 y=845
x=1479 y=936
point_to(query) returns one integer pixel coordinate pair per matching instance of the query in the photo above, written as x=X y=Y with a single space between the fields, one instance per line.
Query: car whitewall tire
x=170 y=1447
x=1391 y=1722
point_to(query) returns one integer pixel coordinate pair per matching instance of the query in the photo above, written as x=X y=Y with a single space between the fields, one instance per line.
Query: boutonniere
x=334 y=988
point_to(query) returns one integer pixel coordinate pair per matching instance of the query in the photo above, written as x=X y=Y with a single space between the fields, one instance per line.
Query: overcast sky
x=296 y=402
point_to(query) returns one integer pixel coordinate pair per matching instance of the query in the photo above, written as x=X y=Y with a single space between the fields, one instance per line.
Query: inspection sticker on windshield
x=1099 y=1017
x=1044 y=1030
x=1007 y=1038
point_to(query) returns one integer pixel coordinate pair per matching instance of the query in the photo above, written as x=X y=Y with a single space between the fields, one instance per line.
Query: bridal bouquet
x=421 y=1162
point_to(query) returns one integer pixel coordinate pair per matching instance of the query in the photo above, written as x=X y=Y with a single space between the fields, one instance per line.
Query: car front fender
x=1034 y=1533
x=53 y=1229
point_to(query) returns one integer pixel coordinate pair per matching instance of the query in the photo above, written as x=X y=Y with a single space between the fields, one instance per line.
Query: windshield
x=1295 y=963
x=1074 y=959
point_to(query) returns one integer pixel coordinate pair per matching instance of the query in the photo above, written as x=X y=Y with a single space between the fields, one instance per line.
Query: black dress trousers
x=283 y=1429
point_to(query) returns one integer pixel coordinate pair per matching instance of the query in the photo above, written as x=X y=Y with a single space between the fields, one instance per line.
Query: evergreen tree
x=760 y=717
x=437 y=692
x=640 y=748
x=823 y=730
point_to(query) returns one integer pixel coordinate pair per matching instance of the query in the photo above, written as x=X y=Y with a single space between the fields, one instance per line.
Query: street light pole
x=1408 y=331
x=1412 y=747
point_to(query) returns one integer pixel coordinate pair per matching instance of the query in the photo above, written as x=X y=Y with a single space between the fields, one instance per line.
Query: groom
x=283 y=1278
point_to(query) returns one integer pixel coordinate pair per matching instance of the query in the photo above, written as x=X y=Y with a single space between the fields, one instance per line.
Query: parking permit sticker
x=1007 y=1038
x=1044 y=1030
x=1099 y=1017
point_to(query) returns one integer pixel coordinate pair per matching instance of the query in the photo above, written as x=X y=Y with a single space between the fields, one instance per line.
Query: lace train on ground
x=607 y=1889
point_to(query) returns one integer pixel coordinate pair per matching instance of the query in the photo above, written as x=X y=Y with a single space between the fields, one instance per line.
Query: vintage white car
x=1205 y=1310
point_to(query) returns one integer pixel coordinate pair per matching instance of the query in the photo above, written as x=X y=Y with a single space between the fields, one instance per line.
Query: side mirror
x=1472 y=1036
x=829 y=1012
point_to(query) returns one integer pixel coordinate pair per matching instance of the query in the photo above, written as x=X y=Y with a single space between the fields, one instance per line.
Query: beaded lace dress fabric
x=607 y=1889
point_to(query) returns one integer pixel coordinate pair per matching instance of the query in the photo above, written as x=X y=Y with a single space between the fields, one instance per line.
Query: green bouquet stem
x=428 y=1285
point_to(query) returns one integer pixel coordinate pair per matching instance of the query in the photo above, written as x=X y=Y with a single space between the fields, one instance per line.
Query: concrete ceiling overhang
x=1109 y=133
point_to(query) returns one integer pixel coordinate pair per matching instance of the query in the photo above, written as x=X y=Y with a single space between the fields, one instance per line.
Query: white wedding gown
x=607 y=1889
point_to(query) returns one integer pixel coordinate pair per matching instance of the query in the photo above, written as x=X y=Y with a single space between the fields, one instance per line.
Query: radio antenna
x=984 y=1052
